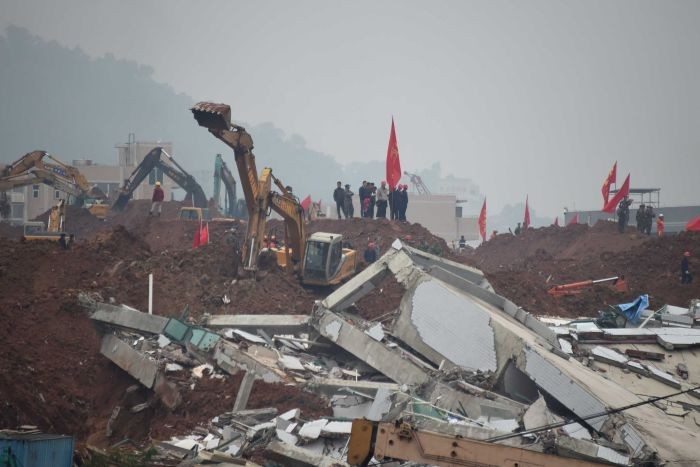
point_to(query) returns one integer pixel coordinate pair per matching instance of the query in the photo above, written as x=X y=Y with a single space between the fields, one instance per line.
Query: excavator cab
x=326 y=262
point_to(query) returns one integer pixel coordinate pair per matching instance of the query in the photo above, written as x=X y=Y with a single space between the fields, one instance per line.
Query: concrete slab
x=232 y=360
x=244 y=392
x=375 y=354
x=135 y=363
x=458 y=330
x=295 y=456
x=129 y=318
x=270 y=323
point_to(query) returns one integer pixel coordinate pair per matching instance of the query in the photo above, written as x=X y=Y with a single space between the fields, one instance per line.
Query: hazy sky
x=535 y=97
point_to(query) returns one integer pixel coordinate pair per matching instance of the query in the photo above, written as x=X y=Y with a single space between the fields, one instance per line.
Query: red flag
x=306 y=203
x=556 y=222
x=393 y=163
x=526 y=221
x=482 y=222
x=204 y=235
x=693 y=224
x=621 y=193
x=196 y=241
x=573 y=221
x=609 y=180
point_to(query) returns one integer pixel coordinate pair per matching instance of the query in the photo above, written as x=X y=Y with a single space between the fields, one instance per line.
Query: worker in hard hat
x=157 y=199
x=660 y=225
x=686 y=277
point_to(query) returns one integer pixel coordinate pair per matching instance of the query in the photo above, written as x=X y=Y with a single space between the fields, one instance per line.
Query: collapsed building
x=454 y=358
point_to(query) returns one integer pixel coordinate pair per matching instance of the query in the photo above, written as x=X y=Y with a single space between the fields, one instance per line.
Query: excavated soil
x=523 y=268
x=51 y=372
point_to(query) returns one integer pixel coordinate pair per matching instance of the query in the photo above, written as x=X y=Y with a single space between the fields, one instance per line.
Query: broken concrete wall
x=446 y=327
x=129 y=318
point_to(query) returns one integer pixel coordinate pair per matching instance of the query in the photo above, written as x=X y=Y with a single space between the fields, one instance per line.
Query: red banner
x=609 y=180
x=306 y=203
x=622 y=192
x=393 y=163
x=556 y=222
x=482 y=222
x=573 y=221
x=526 y=221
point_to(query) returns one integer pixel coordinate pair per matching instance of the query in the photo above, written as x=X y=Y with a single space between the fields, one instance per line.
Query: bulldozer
x=320 y=259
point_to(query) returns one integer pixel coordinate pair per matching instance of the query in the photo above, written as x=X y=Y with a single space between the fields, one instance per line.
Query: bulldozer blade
x=212 y=116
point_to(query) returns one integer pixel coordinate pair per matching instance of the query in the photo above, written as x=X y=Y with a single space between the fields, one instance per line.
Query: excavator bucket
x=212 y=116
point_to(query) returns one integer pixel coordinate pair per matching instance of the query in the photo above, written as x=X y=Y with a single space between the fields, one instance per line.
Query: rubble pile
x=522 y=268
x=235 y=370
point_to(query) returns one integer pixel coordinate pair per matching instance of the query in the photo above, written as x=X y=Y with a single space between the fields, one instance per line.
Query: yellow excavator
x=320 y=259
x=37 y=230
x=40 y=167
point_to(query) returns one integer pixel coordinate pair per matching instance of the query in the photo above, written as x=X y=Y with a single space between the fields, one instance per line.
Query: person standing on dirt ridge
x=339 y=198
x=648 y=219
x=382 y=200
x=686 y=276
x=403 y=196
x=623 y=214
x=347 y=199
x=362 y=193
x=518 y=229
x=157 y=199
x=660 y=226
x=640 y=217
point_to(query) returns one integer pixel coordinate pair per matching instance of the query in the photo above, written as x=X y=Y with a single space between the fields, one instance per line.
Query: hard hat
x=408 y=237
x=661 y=215
x=157 y=183
x=687 y=253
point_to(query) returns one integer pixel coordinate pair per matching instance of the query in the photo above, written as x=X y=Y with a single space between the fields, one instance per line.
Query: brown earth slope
x=523 y=268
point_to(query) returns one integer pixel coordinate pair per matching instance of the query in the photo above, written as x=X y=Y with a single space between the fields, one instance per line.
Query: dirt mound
x=78 y=221
x=523 y=268
x=10 y=231
x=572 y=242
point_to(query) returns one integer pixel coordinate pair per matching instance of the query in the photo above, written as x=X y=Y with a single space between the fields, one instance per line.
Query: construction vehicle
x=319 y=260
x=232 y=207
x=36 y=230
x=402 y=441
x=34 y=168
x=157 y=158
x=617 y=283
x=417 y=182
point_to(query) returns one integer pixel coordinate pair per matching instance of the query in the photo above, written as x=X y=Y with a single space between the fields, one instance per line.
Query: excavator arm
x=222 y=174
x=257 y=190
x=401 y=441
x=33 y=169
x=287 y=206
x=157 y=158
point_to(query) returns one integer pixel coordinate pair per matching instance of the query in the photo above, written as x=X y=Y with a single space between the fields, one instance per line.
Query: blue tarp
x=633 y=309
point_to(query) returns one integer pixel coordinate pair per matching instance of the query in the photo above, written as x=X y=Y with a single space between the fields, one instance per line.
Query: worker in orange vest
x=660 y=225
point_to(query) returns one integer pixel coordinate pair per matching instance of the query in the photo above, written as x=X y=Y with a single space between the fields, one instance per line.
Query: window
x=56 y=194
x=35 y=191
x=17 y=211
x=336 y=255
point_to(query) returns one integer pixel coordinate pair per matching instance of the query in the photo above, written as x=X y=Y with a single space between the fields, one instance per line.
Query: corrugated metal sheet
x=564 y=389
x=454 y=325
x=38 y=450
